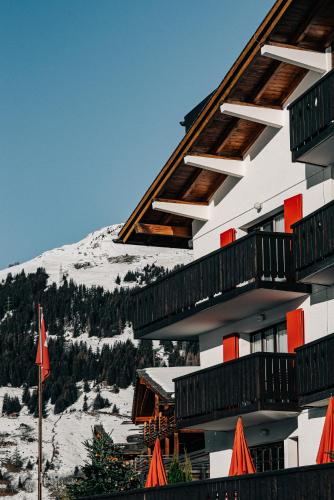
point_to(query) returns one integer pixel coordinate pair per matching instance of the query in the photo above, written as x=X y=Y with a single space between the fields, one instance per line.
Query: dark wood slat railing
x=255 y=382
x=256 y=256
x=312 y=482
x=314 y=238
x=315 y=369
x=312 y=113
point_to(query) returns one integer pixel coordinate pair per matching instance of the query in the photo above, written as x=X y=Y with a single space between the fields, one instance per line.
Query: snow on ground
x=94 y=261
x=63 y=434
x=97 y=259
x=98 y=342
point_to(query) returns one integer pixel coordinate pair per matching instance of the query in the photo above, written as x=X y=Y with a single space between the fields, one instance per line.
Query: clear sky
x=91 y=96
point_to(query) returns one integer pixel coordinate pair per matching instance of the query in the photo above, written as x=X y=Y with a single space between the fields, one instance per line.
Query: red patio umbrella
x=156 y=474
x=326 y=448
x=241 y=461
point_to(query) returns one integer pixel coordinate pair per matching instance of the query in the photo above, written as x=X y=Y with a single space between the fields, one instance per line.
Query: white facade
x=270 y=178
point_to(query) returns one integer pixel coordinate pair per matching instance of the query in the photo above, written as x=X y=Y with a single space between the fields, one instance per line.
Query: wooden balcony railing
x=315 y=370
x=313 y=482
x=259 y=381
x=159 y=427
x=314 y=246
x=311 y=118
x=258 y=256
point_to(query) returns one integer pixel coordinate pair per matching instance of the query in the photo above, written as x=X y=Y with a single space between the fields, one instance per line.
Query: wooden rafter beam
x=183 y=202
x=237 y=70
x=275 y=66
x=160 y=230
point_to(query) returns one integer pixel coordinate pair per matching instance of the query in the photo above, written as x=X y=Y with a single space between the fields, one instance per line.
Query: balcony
x=160 y=427
x=315 y=371
x=248 y=276
x=312 y=124
x=314 y=247
x=260 y=386
x=314 y=482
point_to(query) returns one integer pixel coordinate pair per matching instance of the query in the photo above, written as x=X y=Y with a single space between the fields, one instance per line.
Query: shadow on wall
x=321 y=294
x=315 y=175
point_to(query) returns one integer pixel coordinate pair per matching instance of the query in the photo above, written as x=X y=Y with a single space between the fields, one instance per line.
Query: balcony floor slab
x=214 y=423
x=241 y=302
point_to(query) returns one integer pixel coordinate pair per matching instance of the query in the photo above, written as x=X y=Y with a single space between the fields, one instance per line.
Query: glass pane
x=269 y=340
x=268 y=226
x=282 y=339
x=257 y=344
x=279 y=223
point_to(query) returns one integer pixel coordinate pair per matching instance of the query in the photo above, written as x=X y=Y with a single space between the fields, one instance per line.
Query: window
x=271 y=339
x=272 y=224
x=268 y=457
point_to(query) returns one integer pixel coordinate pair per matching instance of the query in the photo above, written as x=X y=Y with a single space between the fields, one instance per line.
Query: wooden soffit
x=253 y=79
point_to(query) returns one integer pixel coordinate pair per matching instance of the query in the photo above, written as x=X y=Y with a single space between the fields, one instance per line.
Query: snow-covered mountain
x=94 y=261
x=97 y=259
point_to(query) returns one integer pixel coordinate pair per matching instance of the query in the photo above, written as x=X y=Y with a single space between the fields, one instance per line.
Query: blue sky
x=92 y=93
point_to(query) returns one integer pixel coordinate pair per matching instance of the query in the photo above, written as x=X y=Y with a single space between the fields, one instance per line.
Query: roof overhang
x=260 y=77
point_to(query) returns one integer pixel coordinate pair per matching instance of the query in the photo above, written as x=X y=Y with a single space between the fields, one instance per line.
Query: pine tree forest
x=76 y=309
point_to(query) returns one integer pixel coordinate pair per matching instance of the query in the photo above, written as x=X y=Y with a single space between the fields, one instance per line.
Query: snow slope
x=97 y=259
x=94 y=261
x=63 y=434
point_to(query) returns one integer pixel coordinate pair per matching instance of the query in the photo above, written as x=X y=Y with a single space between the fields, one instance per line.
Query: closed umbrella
x=156 y=474
x=326 y=448
x=241 y=461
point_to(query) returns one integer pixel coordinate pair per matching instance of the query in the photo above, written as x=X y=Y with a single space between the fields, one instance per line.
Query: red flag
x=42 y=356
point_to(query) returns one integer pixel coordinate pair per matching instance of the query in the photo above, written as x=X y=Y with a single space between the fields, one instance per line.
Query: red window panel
x=231 y=347
x=293 y=211
x=227 y=237
x=295 y=328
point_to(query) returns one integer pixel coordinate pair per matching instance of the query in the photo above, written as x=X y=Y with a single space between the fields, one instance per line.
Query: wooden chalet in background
x=154 y=408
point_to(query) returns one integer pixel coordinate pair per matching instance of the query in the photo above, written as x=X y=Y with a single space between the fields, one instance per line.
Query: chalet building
x=154 y=409
x=250 y=188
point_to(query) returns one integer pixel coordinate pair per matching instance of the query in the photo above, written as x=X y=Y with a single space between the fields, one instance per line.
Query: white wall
x=271 y=177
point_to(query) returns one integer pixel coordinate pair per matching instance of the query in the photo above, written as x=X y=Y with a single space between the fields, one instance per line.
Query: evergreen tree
x=105 y=471
x=85 y=405
x=115 y=409
x=86 y=387
x=26 y=395
x=16 y=460
x=187 y=468
x=29 y=465
x=175 y=472
x=118 y=280
x=100 y=402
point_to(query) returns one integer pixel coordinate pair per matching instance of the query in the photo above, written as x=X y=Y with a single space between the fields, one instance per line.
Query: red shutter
x=295 y=328
x=231 y=347
x=227 y=237
x=293 y=211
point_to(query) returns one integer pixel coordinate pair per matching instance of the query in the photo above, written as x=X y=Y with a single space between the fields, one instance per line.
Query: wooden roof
x=253 y=79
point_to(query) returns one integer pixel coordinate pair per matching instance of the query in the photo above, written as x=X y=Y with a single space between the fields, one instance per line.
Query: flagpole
x=40 y=409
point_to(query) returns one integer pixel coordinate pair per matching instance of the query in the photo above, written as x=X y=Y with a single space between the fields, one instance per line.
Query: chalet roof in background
x=253 y=79
x=161 y=379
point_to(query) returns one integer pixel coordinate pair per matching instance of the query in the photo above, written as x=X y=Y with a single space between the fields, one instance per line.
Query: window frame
x=263 y=331
x=258 y=225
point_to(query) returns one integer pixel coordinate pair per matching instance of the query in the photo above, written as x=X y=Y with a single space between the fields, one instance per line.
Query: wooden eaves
x=253 y=79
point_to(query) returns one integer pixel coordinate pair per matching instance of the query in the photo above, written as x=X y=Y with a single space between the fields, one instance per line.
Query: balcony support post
x=176 y=444
x=167 y=446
